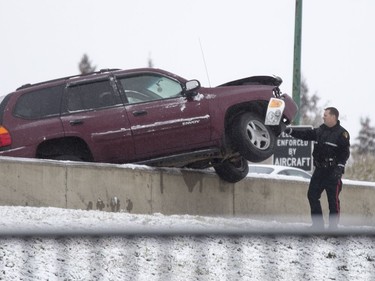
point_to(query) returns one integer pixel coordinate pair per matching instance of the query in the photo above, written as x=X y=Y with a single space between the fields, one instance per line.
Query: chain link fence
x=183 y=254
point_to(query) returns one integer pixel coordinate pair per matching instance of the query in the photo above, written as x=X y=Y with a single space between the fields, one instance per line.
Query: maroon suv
x=146 y=116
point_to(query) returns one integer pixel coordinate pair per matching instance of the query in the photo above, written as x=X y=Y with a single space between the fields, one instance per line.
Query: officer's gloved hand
x=338 y=171
x=288 y=130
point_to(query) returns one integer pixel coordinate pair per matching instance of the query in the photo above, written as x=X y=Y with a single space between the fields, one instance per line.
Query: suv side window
x=93 y=95
x=40 y=103
x=149 y=87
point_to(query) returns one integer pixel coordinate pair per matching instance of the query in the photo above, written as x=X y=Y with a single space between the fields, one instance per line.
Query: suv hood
x=255 y=80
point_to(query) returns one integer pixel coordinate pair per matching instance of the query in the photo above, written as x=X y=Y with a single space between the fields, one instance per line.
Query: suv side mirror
x=191 y=87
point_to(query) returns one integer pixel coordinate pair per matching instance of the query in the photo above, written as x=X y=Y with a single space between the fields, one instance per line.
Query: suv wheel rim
x=258 y=135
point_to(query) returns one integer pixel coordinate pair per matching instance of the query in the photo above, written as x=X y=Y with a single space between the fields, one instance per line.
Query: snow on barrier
x=145 y=190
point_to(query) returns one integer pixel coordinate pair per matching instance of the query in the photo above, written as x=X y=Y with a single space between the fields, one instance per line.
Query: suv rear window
x=3 y=103
x=39 y=104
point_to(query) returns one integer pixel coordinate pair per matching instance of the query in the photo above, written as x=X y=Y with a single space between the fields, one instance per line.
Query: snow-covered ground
x=212 y=248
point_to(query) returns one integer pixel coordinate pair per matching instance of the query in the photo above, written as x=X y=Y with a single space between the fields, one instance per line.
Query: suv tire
x=254 y=140
x=232 y=170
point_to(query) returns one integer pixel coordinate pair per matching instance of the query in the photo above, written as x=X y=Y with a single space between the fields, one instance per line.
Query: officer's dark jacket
x=331 y=144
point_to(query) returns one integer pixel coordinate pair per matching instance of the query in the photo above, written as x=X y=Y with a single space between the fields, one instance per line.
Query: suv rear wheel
x=254 y=140
x=72 y=149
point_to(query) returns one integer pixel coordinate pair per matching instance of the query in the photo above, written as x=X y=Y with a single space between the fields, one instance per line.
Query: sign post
x=297 y=58
x=293 y=152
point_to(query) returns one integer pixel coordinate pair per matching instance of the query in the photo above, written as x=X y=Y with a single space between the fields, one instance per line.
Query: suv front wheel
x=232 y=170
x=254 y=140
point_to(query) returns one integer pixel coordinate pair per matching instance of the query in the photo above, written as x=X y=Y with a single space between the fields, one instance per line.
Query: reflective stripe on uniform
x=331 y=144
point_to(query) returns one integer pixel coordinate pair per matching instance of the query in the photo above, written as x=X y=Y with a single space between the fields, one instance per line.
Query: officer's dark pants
x=324 y=179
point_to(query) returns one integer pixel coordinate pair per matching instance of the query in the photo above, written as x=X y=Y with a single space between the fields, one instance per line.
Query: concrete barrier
x=144 y=190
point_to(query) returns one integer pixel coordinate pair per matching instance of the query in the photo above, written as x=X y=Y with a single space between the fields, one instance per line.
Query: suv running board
x=183 y=159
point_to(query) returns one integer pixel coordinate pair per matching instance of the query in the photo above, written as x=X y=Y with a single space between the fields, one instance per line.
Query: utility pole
x=297 y=58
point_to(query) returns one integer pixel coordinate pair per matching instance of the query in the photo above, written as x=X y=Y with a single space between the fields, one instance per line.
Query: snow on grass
x=143 y=256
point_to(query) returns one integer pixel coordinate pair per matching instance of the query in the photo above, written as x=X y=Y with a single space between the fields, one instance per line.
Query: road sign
x=293 y=152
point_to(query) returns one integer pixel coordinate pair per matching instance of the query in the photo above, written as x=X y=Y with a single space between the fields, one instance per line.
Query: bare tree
x=366 y=138
x=85 y=65
x=310 y=112
x=150 y=63
x=363 y=154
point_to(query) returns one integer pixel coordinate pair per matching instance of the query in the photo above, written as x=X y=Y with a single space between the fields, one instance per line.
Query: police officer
x=331 y=151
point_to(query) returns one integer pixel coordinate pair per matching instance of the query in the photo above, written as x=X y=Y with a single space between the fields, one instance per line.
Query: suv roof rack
x=67 y=77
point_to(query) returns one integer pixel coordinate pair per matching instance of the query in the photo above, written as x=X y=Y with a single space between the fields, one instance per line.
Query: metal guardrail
x=25 y=233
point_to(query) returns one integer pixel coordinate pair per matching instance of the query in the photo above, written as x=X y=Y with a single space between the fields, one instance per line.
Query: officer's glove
x=338 y=171
x=288 y=130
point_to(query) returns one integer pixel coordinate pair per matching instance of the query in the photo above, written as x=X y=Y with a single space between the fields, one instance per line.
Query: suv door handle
x=139 y=112
x=76 y=122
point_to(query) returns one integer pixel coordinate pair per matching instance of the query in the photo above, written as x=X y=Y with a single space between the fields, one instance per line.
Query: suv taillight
x=5 y=139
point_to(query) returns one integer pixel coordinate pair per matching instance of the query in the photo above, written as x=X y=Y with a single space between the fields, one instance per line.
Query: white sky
x=42 y=40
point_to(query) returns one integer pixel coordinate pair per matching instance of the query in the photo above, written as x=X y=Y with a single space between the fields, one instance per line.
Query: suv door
x=95 y=113
x=162 y=120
